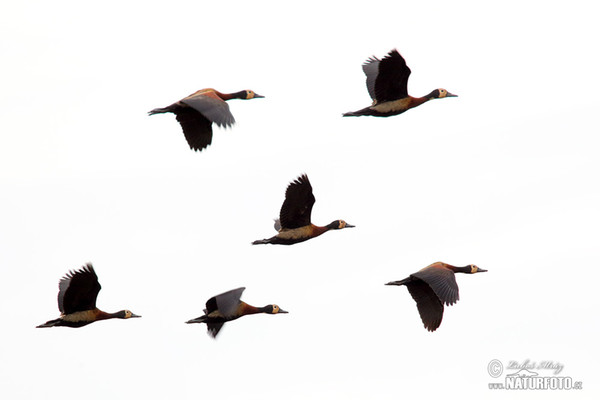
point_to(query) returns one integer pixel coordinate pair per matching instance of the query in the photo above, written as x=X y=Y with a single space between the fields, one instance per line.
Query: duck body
x=227 y=307
x=296 y=235
x=433 y=287
x=83 y=318
x=294 y=224
x=77 y=293
x=197 y=112
x=387 y=83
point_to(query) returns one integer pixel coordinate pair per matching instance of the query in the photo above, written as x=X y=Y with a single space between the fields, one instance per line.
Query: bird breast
x=296 y=233
x=391 y=106
x=79 y=316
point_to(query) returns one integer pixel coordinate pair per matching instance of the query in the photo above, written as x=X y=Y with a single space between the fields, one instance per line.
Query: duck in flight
x=197 y=112
x=432 y=287
x=77 y=292
x=226 y=307
x=294 y=225
x=387 y=83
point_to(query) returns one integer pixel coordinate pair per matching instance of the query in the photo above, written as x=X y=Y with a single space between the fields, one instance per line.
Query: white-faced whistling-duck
x=197 y=112
x=227 y=307
x=432 y=287
x=77 y=293
x=294 y=224
x=387 y=81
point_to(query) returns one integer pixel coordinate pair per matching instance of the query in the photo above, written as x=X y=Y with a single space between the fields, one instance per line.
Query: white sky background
x=505 y=176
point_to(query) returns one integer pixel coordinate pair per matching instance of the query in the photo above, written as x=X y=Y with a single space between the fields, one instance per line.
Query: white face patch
x=473 y=269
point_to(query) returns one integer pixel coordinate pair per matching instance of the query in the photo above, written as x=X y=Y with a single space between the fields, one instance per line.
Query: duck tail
x=198 y=320
x=399 y=283
x=262 y=241
x=161 y=110
x=51 y=323
x=364 y=111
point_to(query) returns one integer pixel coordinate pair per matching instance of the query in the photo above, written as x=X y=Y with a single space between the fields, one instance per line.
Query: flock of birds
x=431 y=287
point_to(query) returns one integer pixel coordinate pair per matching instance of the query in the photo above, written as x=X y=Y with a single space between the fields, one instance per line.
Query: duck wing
x=429 y=305
x=225 y=303
x=297 y=206
x=197 y=129
x=211 y=106
x=387 y=79
x=78 y=290
x=214 y=328
x=442 y=281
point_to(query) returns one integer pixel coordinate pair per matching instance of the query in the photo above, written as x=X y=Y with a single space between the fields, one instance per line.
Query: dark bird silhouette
x=227 y=307
x=294 y=224
x=432 y=287
x=197 y=112
x=77 y=293
x=387 y=82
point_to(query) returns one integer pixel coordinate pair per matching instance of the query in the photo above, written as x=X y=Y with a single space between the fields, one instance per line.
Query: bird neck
x=464 y=270
x=104 y=315
x=236 y=95
x=246 y=309
x=417 y=101
x=319 y=230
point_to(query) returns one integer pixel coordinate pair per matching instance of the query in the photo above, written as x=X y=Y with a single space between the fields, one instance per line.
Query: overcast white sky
x=505 y=176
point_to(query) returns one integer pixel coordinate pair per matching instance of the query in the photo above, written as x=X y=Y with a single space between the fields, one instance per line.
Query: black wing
x=297 y=206
x=371 y=68
x=213 y=108
x=442 y=281
x=78 y=290
x=196 y=127
x=214 y=328
x=429 y=305
x=226 y=303
x=391 y=82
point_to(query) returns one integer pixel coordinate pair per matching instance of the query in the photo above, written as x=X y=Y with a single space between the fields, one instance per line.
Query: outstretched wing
x=429 y=305
x=387 y=79
x=196 y=127
x=211 y=106
x=441 y=280
x=225 y=303
x=214 y=328
x=297 y=206
x=78 y=290
x=371 y=68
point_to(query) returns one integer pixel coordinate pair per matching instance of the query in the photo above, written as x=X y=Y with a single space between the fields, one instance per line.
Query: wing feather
x=297 y=206
x=78 y=290
x=429 y=305
x=391 y=82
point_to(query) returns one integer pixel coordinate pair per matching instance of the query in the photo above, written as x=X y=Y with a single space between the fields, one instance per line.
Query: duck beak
x=258 y=96
x=481 y=270
x=394 y=283
x=282 y=311
x=451 y=95
x=135 y=316
x=350 y=226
